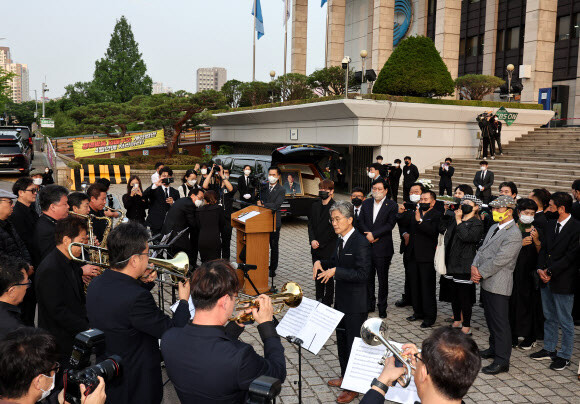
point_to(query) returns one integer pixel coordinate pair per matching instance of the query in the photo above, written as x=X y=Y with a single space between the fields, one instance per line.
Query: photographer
x=247 y=185
x=161 y=196
x=28 y=368
x=135 y=203
x=487 y=133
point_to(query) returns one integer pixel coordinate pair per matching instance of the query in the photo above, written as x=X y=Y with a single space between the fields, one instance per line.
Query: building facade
x=539 y=37
x=211 y=78
x=159 y=88
x=19 y=87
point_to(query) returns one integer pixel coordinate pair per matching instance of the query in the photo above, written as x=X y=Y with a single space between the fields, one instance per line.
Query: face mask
x=204 y=171
x=357 y=202
x=398 y=165
x=198 y=203
x=414 y=198
x=46 y=170
x=37 y=181
x=466 y=209
x=499 y=217
x=551 y=215
x=424 y=206
x=482 y=168
x=191 y=183
x=525 y=219
x=247 y=172
x=45 y=393
x=371 y=175
x=272 y=180
x=377 y=195
x=323 y=194
x=407 y=162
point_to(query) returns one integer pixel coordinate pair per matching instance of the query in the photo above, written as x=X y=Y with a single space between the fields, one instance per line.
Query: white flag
x=287 y=6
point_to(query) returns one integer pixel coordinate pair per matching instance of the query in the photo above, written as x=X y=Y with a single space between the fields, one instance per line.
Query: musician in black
x=215 y=367
x=97 y=201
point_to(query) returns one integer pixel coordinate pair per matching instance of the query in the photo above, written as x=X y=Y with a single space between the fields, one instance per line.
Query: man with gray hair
x=350 y=266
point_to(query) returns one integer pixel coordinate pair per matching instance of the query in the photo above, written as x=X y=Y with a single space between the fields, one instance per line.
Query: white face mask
x=37 y=181
x=198 y=203
x=525 y=219
x=371 y=175
x=272 y=179
x=247 y=172
x=46 y=393
x=398 y=165
x=191 y=183
x=414 y=198
x=482 y=168
x=204 y=171
x=377 y=195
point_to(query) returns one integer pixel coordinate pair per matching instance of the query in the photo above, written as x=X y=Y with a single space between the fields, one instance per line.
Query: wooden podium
x=254 y=234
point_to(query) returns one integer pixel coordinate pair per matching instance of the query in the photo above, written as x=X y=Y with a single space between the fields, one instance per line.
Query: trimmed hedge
x=178 y=162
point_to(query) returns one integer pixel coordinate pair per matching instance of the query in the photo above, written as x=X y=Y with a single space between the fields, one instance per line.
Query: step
x=549 y=143
x=522 y=184
x=502 y=162
x=532 y=154
x=536 y=174
x=551 y=136
x=500 y=177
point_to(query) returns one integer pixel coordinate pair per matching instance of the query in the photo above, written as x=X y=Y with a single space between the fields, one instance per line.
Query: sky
x=62 y=39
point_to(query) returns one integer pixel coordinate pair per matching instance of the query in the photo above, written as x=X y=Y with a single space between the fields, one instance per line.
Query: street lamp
x=510 y=71
x=272 y=78
x=345 y=65
x=363 y=56
x=44 y=90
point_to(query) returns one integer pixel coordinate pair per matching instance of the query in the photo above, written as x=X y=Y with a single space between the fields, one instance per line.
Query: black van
x=303 y=159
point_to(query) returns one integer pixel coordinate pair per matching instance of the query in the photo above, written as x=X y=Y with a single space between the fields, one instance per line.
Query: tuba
x=373 y=333
x=290 y=295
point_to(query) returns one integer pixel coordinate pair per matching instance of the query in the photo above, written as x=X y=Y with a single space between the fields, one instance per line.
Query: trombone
x=290 y=295
x=373 y=333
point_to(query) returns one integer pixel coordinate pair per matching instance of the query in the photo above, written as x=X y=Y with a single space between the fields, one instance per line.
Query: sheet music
x=191 y=308
x=363 y=367
x=312 y=322
x=248 y=215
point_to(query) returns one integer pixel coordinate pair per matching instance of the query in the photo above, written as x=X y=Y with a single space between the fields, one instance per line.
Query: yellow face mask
x=499 y=217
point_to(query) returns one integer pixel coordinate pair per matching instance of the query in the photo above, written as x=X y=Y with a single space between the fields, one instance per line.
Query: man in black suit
x=341 y=171
x=59 y=287
x=181 y=216
x=120 y=304
x=54 y=205
x=24 y=215
x=357 y=197
x=10 y=242
x=247 y=185
x=350 y=266
x=576 y=205
x=97 y=194
x=558 y=270
x=160 y=196
x=378 y=217
x=542 y=198
x=424 y=231
x=446 y=172
x=322 y=237
x=13 y=285
x=483 y=182
x=273 y=198
x=410 y=176
x=216 y=367
x=394 y=178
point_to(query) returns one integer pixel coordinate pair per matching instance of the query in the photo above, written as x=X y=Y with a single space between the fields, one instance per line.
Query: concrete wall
x=355 y=31
x=392 y=127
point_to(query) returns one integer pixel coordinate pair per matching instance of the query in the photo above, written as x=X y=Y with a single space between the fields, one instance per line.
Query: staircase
x=543 y=158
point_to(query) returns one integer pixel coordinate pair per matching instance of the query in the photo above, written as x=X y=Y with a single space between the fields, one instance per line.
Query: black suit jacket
x=24 y=219
x=208 y=364
x=180 y=216
x=321 y=230
x=158 y=208
x=410 y=175
x=422 y=236
x=9 y=319
x=274 y=200
x=353 y=266
x=487 y=183
x=124 y=309
x=61 y=299
x=395 y=176
x=446 y=175
x=250 y=188
x=10 y=242
x=559 y=254
x=382 y=227
x=44 y=241
x=576 y=210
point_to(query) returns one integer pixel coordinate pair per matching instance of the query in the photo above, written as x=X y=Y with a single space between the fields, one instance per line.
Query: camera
x=87 y=343
x=167 y=181
x=216 y=169
x=263 y=390
x=345 y=62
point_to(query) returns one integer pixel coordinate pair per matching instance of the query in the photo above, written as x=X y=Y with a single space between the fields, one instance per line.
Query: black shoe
x=413 y=318
x=487 y=354
x=543 y=355
x=402 y=303
x=559 y=363
x=495 y=368
x=383 y=314
x=527 y=344
x=515 y=342
x=427 y=324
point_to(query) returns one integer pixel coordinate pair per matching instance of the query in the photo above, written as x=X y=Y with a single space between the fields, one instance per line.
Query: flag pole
x=326 y=44
x=254 y=38
x=285 y=33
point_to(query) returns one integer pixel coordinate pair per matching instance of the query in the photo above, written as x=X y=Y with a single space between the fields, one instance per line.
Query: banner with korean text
x=93 y=147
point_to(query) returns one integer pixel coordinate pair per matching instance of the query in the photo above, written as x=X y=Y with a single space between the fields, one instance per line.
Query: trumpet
x=373 y=333
x=290 y=295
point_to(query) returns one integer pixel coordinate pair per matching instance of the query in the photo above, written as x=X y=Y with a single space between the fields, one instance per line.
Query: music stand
x=298 y=342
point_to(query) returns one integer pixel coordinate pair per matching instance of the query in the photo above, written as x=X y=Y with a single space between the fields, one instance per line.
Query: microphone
x=243 y=267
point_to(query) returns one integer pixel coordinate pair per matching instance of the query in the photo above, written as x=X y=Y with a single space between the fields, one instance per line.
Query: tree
x=82 y=93
x=477 y=86
x=292 y=86
x=22 y=112
x=108 y=117
x=415 y=68
x=121 y=74
x=254 y=93
x=232 y=91
x=5 y=90
x=330 y=80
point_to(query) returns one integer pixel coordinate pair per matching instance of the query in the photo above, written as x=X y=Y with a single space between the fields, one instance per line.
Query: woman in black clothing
x=211 y=225
x=462 y=237
x=135 y=203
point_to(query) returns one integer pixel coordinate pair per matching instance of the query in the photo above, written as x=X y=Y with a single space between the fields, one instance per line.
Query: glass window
x=513 y=38
x=576 y=26
x=262 y=168
x=431 y=7
x=480 y=51
x=238 y=166
x=471 y=46
x=563 y=28
x=462 y=47
x=10 y=149
x=500 y=41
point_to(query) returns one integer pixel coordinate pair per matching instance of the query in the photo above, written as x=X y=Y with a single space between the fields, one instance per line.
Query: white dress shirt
x=376 y=207
x=346 y=237
x=154 y=177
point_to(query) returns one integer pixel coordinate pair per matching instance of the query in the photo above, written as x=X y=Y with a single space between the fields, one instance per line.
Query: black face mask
x=466 y=209
x=357 y=202
x=424 y=206
x=551 y=215
x=323 y=194
x=407 y=162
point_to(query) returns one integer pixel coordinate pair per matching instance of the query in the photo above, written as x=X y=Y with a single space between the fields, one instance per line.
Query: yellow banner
x=88 y=148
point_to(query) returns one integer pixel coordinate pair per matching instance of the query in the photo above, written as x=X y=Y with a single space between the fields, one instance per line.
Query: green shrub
x=415 y=68
x=477 y=86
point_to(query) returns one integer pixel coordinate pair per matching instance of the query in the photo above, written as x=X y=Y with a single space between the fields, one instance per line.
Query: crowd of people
x=522 y=251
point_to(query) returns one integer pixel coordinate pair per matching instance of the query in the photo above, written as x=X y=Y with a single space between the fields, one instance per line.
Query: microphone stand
x=298 y=342
x=247 y=276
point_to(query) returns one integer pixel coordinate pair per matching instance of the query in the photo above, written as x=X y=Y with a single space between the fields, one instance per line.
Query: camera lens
x=107 y=369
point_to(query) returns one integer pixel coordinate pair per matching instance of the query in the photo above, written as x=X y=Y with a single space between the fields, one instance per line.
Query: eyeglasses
x=333 y=220
x=418 y=357
x=55 y=368
x=33 y=190
x=27 y=284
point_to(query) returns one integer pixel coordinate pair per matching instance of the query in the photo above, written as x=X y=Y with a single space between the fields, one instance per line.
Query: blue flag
x=322 y=3
x=259 y=19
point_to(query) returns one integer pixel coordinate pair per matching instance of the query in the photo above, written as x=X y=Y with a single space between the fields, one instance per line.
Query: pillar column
x=490 y=37
x=335 y=38
x=539 y=46
x=383 y=23
x=420 y=17
x=299 y=35
x=447 y=25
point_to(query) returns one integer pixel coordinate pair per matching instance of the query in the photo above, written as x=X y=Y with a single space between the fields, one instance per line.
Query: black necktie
x=167 y=192
x=340 y=246
x=494 y=232
x=247 y=181
x=356 y=214
x=558 y=227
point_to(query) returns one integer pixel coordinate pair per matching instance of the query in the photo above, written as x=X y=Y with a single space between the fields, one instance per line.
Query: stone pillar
x=299 y=35
x=369 y=47
x=447 y=26
x=335 y=39
x=383 y=23
x=539 y=46
x=420 y=17
x=490 y=37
